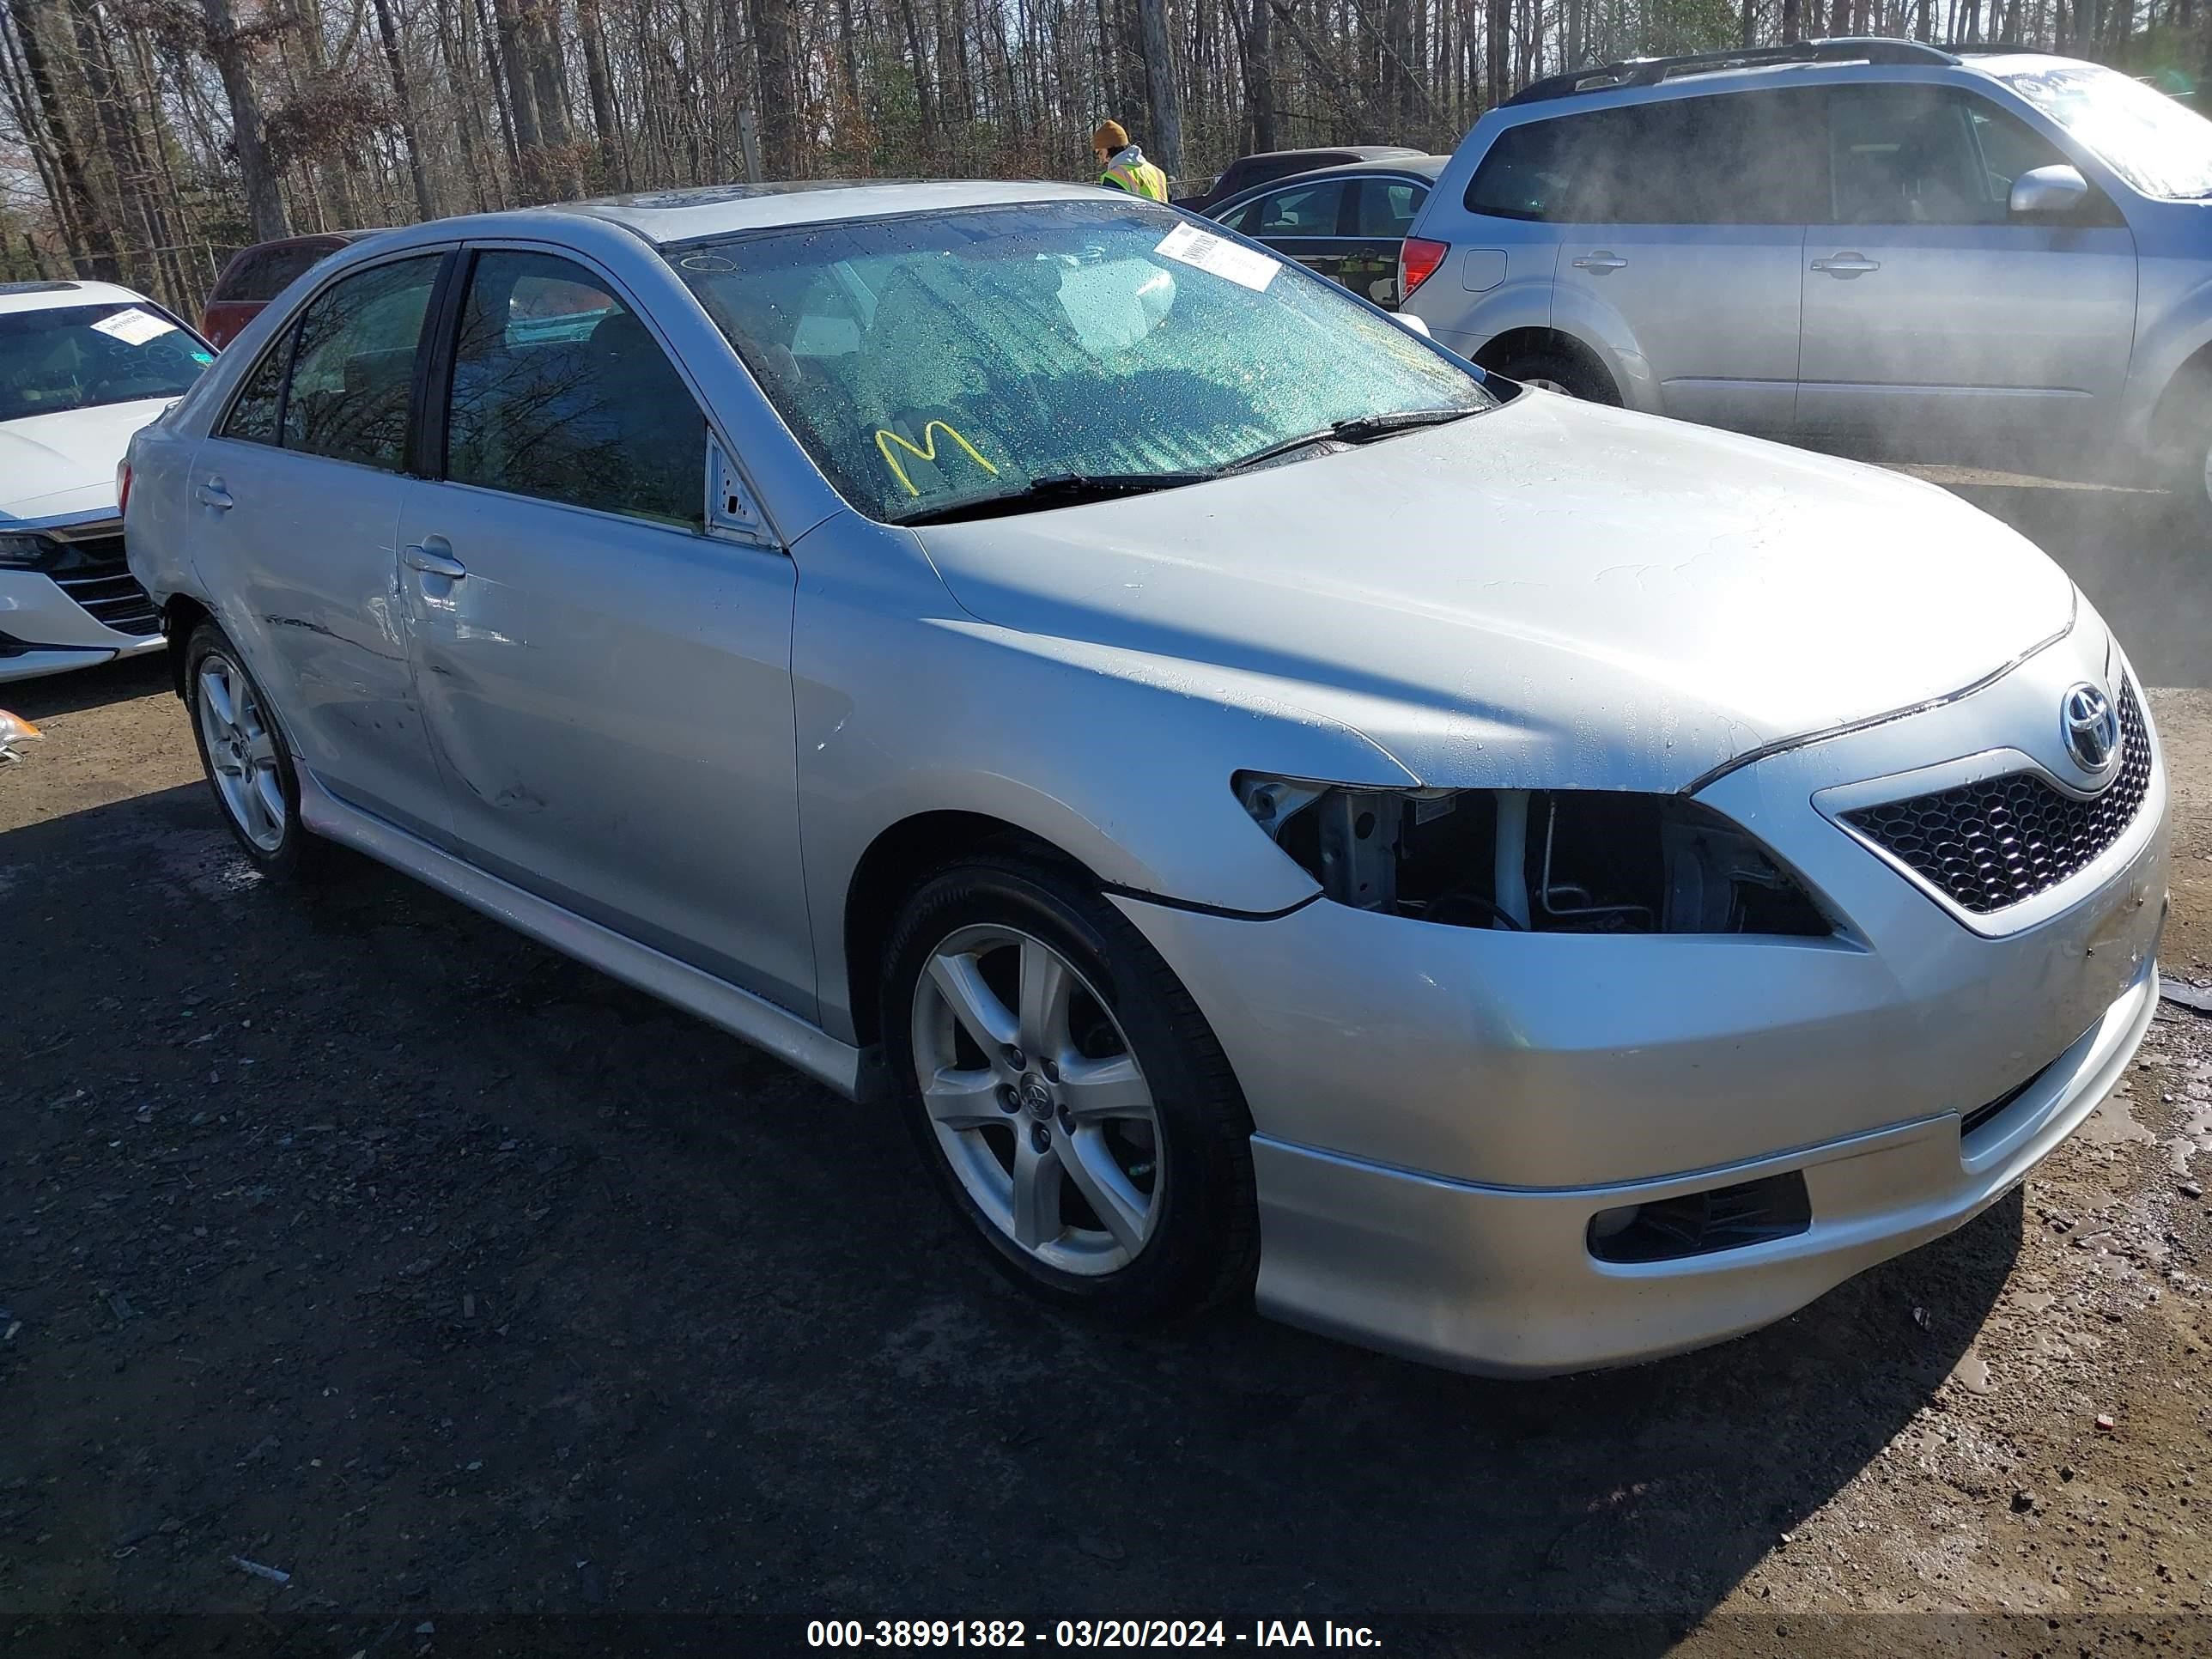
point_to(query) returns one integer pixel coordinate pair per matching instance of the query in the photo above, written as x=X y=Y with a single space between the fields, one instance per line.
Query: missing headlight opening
x=1557 y=862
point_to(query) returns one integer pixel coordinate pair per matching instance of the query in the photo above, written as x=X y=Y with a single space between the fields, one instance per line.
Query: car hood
x=55 y=465
x=1551 y=594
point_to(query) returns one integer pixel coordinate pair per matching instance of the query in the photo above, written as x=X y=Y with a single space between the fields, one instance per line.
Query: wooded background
x=145 y=140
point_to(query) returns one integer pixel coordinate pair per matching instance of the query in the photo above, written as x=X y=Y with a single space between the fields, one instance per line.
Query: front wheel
x=1070 y=1097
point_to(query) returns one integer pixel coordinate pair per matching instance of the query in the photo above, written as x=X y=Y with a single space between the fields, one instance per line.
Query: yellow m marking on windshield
x=926 y=450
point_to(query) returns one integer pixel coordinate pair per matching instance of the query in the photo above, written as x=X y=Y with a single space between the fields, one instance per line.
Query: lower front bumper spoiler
x=1500 y=1280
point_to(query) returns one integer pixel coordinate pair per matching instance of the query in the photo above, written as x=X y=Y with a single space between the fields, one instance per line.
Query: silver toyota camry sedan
x=1518 y=883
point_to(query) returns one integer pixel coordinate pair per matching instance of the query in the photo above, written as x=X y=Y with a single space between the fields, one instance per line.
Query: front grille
x=1991 y=844
x=97 y=578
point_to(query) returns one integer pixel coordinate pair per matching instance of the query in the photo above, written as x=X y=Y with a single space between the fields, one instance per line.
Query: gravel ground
x=343 y=1233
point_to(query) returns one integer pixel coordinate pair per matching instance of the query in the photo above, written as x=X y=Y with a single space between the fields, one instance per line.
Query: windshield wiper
x=1359 y=429
x=1056 y=489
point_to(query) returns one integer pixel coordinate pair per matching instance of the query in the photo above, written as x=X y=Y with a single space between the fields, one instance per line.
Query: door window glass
x=1909 y=155
x=252 y=417
x=560 y=392
x=354 y=369
x=1386 y=206
x=1300 y=211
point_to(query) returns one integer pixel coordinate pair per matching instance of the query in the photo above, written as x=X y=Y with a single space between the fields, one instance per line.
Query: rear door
x=294 y=501
x=1302 y=221
x=1381 y=212
x=1685 y=220
x=1936 y=322
x=607 y=685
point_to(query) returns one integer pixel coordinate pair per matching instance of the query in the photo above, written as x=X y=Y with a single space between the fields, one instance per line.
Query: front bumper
x=1441 y=1111
x=52 y=622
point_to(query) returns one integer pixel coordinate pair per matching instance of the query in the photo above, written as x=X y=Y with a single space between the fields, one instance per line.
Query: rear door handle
x=433 y=556
x=1601 y=261
x=1847 y=266
x=212 y=493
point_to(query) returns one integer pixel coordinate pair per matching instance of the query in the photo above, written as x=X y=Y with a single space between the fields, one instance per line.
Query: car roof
x=1364 y=152
x=668 y=216
x=51 y=296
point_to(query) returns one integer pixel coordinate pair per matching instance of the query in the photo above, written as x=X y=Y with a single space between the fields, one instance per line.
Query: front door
x=607 y=686
x=1688 y=219
x=1936 y=324
x=295 y=501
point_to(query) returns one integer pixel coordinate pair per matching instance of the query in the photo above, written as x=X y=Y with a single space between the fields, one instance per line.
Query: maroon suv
x=256 y=275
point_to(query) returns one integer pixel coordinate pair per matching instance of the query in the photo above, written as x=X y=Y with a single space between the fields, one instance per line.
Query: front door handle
x=212 y=493
x=1601 y=261
x=1844 y=266
x=433 y=556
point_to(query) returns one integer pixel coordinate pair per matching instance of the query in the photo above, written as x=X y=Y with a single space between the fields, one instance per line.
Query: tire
x=1187 y=1164
x=1556 y=371
x=248 y=763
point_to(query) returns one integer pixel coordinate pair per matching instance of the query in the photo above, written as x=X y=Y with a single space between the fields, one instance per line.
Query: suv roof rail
x=1651 y=71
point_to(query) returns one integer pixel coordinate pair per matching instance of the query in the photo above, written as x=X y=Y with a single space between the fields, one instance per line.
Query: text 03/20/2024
x=1086 y=1633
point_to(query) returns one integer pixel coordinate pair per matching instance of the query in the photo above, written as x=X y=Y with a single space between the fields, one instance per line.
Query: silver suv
x=1962 y=257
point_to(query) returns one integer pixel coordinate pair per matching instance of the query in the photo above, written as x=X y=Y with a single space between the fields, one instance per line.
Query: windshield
x=954 y=357
x=77 y=356
x=2159 y=146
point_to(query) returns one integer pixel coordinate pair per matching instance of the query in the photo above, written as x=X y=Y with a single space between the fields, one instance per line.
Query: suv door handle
x=1847 y=266
x=433 y=556
x=212 y=493
x=1601 y=261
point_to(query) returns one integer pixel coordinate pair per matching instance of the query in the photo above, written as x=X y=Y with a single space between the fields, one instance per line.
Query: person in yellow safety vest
x=1124 y=166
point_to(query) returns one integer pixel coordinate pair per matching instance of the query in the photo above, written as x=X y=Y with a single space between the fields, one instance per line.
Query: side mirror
x=2042 y=192
x=1408 y=320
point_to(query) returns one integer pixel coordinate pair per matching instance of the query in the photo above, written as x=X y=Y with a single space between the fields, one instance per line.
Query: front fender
x=905 y=705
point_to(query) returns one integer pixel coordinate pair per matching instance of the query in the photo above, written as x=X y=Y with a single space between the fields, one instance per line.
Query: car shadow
x=51 y=694
x=522 y=1255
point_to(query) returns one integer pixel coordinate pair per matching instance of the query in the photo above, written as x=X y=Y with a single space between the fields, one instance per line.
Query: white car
x=82 y=366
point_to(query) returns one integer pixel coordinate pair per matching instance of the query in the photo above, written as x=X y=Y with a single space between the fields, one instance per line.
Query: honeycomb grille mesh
x=1992 y=844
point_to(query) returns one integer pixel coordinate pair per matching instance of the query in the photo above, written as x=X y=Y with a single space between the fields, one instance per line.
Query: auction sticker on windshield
x=1193 y=246
x=133 y=326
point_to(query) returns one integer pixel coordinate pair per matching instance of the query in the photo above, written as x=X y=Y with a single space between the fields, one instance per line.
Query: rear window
x=261 y=274
x=1743 y=158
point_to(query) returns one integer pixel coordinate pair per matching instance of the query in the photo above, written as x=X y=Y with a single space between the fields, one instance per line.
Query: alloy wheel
x=1542 y=384
x=1037 y=1100
x=241 y=751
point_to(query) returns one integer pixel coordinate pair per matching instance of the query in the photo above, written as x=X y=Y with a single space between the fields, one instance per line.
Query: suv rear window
x=261 y=274
x=1750 y=158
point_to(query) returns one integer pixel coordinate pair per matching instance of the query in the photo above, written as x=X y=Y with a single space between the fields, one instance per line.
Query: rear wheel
x=1559 y=372
x=248 y=765
x=1071 y=1100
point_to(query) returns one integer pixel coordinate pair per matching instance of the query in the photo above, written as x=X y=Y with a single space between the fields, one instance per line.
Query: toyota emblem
x=2091 y=727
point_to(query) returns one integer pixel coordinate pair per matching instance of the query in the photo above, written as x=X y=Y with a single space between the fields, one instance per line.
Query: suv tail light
x=122 y=487
x=1418 y=260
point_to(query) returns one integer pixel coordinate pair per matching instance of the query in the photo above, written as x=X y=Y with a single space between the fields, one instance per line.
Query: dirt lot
x=344 y=1233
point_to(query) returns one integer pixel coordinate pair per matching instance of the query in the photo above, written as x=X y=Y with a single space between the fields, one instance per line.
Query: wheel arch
x=896 y=863
x=181 y=616
x=1502 y=349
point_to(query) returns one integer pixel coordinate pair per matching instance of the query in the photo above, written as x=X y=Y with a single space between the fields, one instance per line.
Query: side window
x=1386 y=206
x=354 y=368
x=560 y=392
x=1298 y=211
x=1908 y=155
x=252 y=417
x=1526 y=175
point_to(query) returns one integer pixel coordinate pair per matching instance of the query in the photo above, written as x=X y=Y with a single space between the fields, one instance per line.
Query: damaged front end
x=1560 y=862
